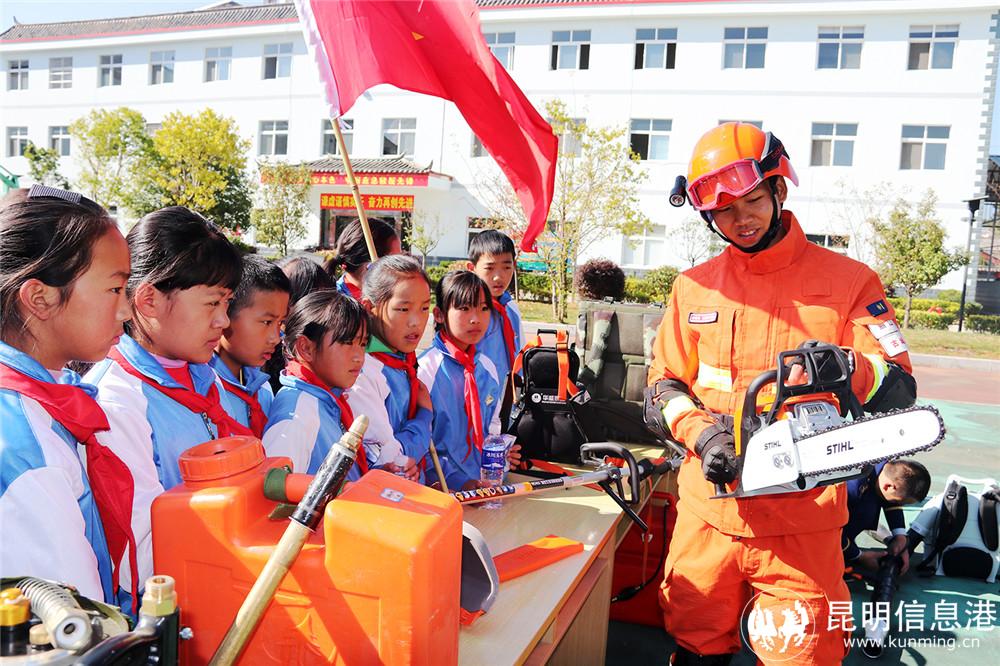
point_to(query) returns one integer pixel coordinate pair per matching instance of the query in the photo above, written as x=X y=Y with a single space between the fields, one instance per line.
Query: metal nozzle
x=159 y=598
x=678 y=194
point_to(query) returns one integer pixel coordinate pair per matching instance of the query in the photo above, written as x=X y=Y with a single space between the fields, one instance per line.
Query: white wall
x=788 y=95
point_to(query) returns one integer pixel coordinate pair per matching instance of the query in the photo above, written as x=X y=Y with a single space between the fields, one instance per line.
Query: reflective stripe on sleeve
x=881 y=369
x=676 y=408
x=720 y=379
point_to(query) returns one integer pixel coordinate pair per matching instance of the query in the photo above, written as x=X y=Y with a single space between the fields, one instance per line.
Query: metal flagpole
x=370 y=242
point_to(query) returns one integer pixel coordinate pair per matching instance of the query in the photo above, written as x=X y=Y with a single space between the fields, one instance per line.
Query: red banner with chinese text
x=399 y=180
x=397 y=202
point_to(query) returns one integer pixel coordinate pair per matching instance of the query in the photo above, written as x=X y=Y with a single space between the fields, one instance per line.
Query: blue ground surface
x=972 y=449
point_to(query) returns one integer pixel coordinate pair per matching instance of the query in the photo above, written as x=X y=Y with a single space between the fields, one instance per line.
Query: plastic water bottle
x=494 y=464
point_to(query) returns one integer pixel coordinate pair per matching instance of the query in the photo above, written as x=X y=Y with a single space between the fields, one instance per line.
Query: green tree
x=695 y=242
x=112 y=147
x=283 y=198
x=910 y=249
x=425 y=234
x=198 y=162
x=596 y=196
x=43 y=166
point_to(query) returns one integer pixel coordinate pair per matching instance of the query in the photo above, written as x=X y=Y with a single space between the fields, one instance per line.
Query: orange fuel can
x=379 y=582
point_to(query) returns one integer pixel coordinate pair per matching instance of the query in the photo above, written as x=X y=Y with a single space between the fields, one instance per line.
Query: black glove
x=652 y=412
x=717 y=450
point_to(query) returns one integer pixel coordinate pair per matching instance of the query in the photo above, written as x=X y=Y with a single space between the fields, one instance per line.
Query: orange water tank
x=378 y=583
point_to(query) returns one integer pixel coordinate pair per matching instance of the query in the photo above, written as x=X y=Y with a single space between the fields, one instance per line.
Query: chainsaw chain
x=894 y=456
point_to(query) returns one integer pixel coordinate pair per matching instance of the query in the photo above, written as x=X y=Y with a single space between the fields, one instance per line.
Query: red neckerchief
x=110 y=479
x=354 y=291
x=296 y=369
x=508 y=330
x=258 y=419
x=409 y=364
x=209 y=405
x=467 y=359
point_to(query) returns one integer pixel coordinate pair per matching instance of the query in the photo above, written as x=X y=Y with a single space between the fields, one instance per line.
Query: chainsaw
x=802 y=439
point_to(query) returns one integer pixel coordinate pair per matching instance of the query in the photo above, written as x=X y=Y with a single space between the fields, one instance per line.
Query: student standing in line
x=492 y=257
x=463 y=382
x=398 y=406
x=63 y=268
x=156 y=386
x=325 y=340
x=353 y=256
x=256 y=314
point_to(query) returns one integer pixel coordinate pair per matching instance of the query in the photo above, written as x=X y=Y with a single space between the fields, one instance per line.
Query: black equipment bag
x=546 y=421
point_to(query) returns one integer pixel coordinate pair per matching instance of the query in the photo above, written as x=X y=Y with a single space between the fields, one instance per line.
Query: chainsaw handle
x=749 y=423
x=587 y=454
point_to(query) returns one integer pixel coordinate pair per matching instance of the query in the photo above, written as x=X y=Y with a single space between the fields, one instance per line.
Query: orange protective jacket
x=726 y=322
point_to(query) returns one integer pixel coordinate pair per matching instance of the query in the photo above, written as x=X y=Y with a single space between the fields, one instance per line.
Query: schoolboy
x=256 y=313
x=492 y=258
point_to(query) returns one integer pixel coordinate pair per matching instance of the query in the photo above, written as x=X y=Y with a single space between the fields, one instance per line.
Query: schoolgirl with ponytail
x=156 y=386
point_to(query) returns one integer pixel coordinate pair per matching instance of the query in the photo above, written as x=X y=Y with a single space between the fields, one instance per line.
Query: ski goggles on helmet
x=735 y=179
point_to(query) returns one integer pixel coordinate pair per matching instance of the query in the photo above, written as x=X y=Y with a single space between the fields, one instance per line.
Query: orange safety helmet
x=731 y=160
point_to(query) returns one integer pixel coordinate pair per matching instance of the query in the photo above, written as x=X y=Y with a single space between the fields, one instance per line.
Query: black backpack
x=546 y=417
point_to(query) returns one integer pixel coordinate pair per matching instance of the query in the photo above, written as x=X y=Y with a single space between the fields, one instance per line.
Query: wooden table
x=558 y=614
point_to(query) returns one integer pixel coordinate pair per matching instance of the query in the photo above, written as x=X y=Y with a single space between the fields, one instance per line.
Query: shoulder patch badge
x=877 y=308
x=703 y=317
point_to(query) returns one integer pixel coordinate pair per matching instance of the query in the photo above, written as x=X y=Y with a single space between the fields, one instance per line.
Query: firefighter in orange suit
x=769 y=291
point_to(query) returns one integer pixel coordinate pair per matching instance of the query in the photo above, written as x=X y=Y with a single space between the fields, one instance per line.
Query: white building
x=861 y=92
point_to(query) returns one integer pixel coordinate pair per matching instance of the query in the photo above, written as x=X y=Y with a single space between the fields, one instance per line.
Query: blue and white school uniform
x=51 y=525
x=493 y=344
x=149 y=432
x=445 y=379
x=382 y=394
x=346 y=289
x=303 y=424
x=255 y=383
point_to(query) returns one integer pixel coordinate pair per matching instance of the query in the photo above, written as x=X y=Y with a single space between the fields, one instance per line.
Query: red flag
x=436 y=47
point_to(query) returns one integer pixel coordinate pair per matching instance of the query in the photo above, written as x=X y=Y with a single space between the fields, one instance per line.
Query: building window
x=924 y=146
x=646 y=250
x=570 y=49
x=60 y=72
x=502 y=46
x=744 y=48
x=478 y=150
x=110 y=71
x=153 y=128
x=932 y=46
x=570 y=142
x=759 y=124
x=17 y=75
x=161 y=67
x=649 y=138
x=329 y=139
x=17 y=141
x=655 y=48
x=273 y=137
x=399 y=135
x=840 y=48
x=277 y=60
x=59 y=139
x=833 y=242
x=217 y=62
x=833 y=144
